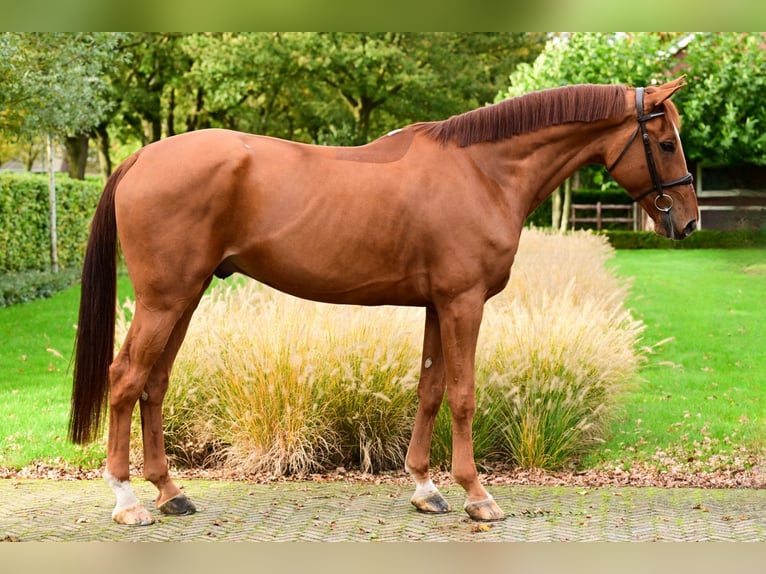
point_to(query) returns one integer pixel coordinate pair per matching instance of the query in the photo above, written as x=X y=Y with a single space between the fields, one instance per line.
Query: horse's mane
x=528 y=113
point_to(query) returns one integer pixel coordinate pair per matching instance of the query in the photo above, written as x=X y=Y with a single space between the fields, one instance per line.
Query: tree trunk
x=104 y=159
x=364 y=111
x=556 y=208
x=77 y=155
x=566 y=208
x=170 y=123
x=52 y=205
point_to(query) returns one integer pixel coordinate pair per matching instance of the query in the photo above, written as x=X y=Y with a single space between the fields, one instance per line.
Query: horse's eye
x=669 y=147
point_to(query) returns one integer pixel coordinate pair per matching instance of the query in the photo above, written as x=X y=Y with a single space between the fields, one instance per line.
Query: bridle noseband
x=657 y=185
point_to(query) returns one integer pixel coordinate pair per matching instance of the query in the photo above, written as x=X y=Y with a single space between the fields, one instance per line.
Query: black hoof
x=178 y=506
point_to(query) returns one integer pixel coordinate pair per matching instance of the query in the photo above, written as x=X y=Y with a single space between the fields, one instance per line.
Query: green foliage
x=592 y=57
x=320 y=87
x=702 y=239
x=723 y=106
x=28 y=286
x=24 y=220
x=53 y=82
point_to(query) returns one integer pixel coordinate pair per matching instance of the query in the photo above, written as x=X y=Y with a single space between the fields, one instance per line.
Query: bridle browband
x=657 y=185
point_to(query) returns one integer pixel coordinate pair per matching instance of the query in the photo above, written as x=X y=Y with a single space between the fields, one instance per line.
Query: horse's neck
x=531 y=166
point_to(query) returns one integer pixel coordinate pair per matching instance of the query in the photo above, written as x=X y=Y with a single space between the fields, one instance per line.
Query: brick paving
x=52 y=510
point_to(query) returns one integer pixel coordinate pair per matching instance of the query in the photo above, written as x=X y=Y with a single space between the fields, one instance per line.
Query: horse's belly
x=345 y=283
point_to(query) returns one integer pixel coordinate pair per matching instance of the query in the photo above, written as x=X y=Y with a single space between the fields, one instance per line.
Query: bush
x=27 y=286
x=24 y=220
x=266 y=382
x=702 y=239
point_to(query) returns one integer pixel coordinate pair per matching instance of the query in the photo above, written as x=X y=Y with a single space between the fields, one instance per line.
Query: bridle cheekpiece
x=658 y=186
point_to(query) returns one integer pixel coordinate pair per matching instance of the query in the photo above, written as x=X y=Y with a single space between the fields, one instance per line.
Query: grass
x=35 y=382
x=702 y=396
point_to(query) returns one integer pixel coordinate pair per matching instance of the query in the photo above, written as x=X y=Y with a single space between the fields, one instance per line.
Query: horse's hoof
x=485 y=510
x=432 y=503
x=135 y=515
x=178 y=506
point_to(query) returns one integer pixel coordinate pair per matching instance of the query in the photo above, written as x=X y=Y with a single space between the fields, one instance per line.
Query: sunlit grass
x=35 y=383
x=701 y=399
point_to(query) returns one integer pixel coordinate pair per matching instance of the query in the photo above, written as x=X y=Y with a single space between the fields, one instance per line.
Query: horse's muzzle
x=690 y=228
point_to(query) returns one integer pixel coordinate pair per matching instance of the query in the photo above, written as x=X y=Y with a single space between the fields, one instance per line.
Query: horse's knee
x=430 y=396
x=429 y=405
x=462 y=407
x=153 y=392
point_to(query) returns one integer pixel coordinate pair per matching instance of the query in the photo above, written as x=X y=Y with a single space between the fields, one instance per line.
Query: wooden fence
x=600 y=213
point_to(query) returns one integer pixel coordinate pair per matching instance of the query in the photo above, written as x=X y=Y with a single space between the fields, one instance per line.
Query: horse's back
x=325 y=223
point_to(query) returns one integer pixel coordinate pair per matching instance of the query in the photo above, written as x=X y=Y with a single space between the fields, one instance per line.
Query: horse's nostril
x=690 y=227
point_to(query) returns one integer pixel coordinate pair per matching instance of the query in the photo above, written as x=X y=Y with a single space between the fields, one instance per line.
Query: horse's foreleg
x=170 y=499
x=128 y=375
x=460 y=321
x=427 y=497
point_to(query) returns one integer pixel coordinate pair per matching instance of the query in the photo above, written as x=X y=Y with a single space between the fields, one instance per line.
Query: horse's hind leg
x=427 y=497
x=170 y=499
x=128 y=375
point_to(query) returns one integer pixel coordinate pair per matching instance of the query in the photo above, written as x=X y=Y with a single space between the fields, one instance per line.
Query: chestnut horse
x=429 y=216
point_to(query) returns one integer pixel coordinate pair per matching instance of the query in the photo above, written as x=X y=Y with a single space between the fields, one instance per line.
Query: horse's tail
x=94 y=344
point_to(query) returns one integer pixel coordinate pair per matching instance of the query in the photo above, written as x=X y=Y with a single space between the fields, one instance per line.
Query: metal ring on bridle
x=657 y=200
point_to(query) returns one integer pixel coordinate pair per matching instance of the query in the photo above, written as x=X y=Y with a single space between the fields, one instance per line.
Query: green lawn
x=704 y=381
x=36 y=341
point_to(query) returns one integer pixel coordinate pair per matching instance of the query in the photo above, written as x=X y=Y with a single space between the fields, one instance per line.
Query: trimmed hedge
x=702 y=239
x=27 y=286
x=24 y=220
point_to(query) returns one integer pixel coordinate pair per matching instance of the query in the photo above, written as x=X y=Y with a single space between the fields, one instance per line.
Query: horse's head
x=651 y=165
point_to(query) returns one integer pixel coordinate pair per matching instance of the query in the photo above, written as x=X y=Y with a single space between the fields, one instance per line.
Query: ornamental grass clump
x=266 y=382
x=558 y=348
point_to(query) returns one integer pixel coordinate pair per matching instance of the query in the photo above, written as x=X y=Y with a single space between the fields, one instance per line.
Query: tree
x=51 y=83
x=414 y=76
x=723 y=107
x=345 y=88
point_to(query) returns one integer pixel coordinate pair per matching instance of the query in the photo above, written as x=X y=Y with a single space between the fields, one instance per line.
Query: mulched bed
x=681 y=475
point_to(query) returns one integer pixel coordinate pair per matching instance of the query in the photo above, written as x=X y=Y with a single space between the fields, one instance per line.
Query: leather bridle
x=658 y=186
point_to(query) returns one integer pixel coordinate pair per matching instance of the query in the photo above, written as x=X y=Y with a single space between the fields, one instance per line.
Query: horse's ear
x=655 y=95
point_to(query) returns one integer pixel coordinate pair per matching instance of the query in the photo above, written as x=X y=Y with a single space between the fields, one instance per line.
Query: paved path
x=49 y=510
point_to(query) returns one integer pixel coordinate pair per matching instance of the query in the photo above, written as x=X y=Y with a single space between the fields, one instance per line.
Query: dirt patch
x=755 y=269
